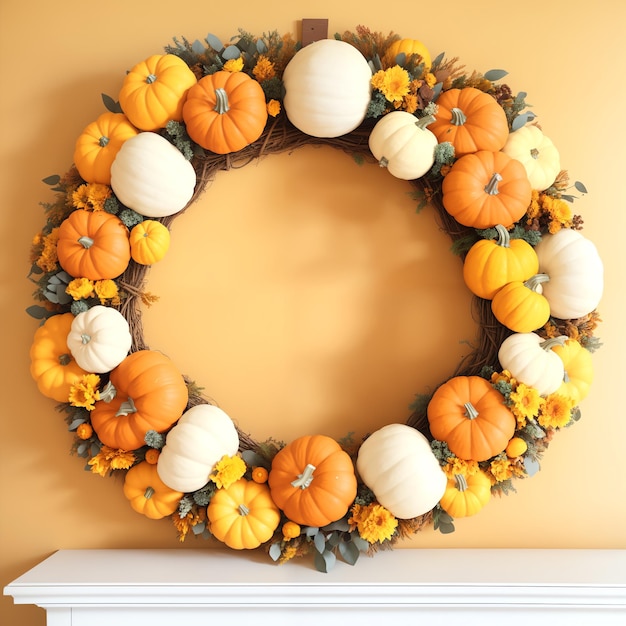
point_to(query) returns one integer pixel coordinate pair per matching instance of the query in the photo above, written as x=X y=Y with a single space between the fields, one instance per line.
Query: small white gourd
x=99 y=339
x=151 y=176
x=397 y=463
x=402 y=143
x=200 y=438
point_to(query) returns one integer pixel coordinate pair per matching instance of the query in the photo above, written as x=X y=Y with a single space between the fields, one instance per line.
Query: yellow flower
x=373 y=522
x=264 y=69
x=80 y=288
x=410 y=103
x=185 y=524
x=107 y=290
x=234 y=65
x=273 y=108
x=48 y=259
x=504 y=376
x=109 y=459
x=431 y=79
x=80 y=198
x=288 y=553
x=84 y=391
x=459 y=466
x=527 y=401
x=501 y=469
x=556 y=411
x=228 y=470
x=97 y=194
x=393 y=83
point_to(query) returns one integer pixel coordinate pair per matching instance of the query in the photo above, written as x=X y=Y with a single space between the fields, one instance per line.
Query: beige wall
x=274 y=365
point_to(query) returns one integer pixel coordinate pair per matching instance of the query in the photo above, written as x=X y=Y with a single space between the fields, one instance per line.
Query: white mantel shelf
x=165 y=587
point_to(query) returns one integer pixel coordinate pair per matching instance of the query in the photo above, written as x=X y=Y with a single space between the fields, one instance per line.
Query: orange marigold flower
x=264 y=69
x=84 y=431
x=273 y=108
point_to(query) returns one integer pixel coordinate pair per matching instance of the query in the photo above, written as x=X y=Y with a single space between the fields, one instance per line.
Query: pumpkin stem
x=304 y=479
x=85 y=338
x=103 y=141
x=384 y=162
x=243 y=509
x=492 y=186
x=86 y=242
x=150 y=78
x=148 y=493
x=461 y=483
x=425 y=121
x=534 y=153
x=458 y=117
x=221 y=104
x=108 y=392
x=65 y=359
x=534 y=282
x=470 y=411
x=128 y=406
x=504 y=239
x=553 y=341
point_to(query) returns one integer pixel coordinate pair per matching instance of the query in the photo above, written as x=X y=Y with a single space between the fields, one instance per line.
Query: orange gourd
x=97 y=146
x=93 y=245
x=313 y=481
x=486 y=188
x=471 y=120
x=470 y=416
x=225 y=111
x=148 y=494
x=52 y=365
x=491 y=264
x=154 y=91
x=520 y=306
x=149 y=394
x=243 y=515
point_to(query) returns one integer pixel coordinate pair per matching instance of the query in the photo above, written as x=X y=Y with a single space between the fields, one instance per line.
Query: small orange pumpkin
x=149 y=242
x=97 y=146
x=154 y=91
x=52 y=365
x=486 y=188
x=313 y=481
x=93 y=245
x=471 y=120
x=520 y=306
x=148 y=494
x=149 y=394
x=470 y=416
x=225 y=111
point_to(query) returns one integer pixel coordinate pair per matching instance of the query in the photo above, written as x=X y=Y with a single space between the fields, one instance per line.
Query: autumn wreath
x=470 y=147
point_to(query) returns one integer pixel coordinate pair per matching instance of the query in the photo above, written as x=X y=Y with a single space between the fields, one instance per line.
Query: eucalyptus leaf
x=568 y=197
x=275 y=551
x=320 y=542
x=349 y=552
x=95 y=448
x=580 y=187
x=494 y=75
x=38 y=312
x=401 y=58
x=340 y=525
x=446 y=529
x=55 y=179
x=254 y=459
x=311 y=531
x=360 y=543
x=437 y=90
x=214 y=42
x=438 y=59
x=334 y=539
x=522 y=119
x=82 y=448
x=198 y=47
x=110 y=104
x=231 y=52
x=520 y=96
x=261 y=48
x=198 y=528
x=531 y=465
x=325 y=561
x=76 y=423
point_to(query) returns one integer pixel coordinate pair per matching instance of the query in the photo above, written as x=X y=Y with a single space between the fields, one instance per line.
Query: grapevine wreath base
x=469 y=147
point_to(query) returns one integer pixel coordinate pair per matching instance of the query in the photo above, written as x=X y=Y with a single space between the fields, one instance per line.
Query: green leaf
x=198 y=528
x=360 y=543
x=334 y=540
x=311 y=531
x=261 y=47
x=55 y=179
x=275 y=551
x=319 y=542
x=253 y=459
x=349 y=552
x=76 y=423
x=531 y=466
x=39 y=312
x=438 y=59
x=198 y=47
x=522 y=119
x=325 y=561
x=494 y=75
x=231 y=52
x=110 y=104
x=214 y=42
x=340 y=525
x=580 y=187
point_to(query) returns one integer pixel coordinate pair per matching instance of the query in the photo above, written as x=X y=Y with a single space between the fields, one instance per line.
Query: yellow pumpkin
x=243 y=515
x=149 y=242
x=520 y=307
x=409 y=47
x=578 y=370
x=465 y=496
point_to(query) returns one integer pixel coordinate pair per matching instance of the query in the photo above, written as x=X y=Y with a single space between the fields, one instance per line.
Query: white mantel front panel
x=479 y=587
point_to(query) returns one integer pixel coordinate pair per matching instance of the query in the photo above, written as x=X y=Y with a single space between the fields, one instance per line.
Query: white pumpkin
x=575 y=271
x=151 y=176
x=396 y=462
x=99 y=339
x=402 y=143
x=536 y=153
x=531 y=361
x=200 y=438
x=327 y=88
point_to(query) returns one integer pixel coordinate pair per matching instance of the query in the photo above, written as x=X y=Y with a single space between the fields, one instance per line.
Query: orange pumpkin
x=148 y=494
x=93 y=244
x=520 y=306
x=486 y=188
x=51 y=363
x=149 y=394
x=98 y=145
x=226 y=111
x=312 y=480
x=470 y=416
x=491 y=264
x=154 y=91
x=470 y=120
